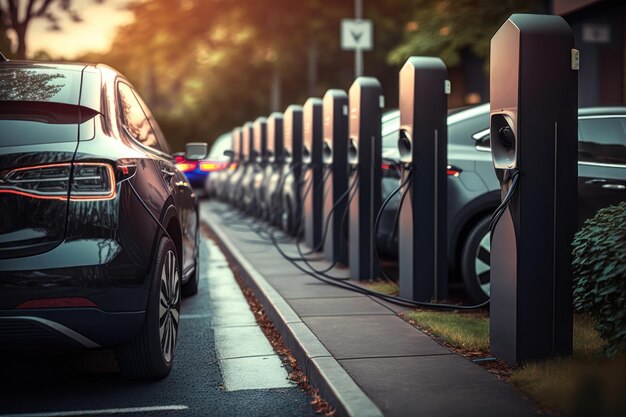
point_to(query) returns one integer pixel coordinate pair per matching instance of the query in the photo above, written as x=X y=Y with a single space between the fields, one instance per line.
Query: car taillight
x=186 y=166
x=89 y=181
x=391 y=167
x=213 y=166
x=453 y=171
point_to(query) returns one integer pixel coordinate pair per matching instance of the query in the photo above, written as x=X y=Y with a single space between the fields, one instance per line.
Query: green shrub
x=600 y=274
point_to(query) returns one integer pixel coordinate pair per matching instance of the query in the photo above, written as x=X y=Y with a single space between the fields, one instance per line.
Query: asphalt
x=363 y=357
x=224 y=367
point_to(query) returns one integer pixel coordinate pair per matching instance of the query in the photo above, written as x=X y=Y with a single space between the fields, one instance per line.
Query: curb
x=322 y=370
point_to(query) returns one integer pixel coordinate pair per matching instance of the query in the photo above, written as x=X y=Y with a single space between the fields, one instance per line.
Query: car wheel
x=151 y=354
x=475 y=262
x=191 y=286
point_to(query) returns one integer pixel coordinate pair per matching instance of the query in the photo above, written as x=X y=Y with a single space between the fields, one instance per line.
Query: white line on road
x=105 y=411
x=196 y=316
x=246 y=358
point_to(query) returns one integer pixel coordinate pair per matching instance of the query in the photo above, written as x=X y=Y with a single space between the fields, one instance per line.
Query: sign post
x=357 y=35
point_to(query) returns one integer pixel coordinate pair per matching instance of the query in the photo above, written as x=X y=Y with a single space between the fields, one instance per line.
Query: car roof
x=75 y=66
x=592 y=111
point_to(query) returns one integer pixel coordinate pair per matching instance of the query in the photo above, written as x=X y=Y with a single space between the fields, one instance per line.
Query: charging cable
x=512 y=175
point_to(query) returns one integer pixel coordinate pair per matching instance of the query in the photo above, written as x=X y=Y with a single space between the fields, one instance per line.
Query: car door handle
x=595 y=181
x=614 y=187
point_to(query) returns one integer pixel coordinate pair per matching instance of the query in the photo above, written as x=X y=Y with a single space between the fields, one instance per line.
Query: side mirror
x=194 y=151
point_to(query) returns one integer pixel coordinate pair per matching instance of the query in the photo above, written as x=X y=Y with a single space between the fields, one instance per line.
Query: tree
x=18 y=14
x=447 y=28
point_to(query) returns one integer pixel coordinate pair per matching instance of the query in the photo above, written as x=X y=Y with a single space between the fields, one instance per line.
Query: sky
x=94 y=34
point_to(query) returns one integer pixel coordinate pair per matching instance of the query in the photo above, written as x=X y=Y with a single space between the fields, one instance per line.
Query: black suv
x=98 y=229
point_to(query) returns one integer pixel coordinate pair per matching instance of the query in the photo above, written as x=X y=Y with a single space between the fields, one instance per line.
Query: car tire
x=475 y=264
x=151 y=354
x=190 y=287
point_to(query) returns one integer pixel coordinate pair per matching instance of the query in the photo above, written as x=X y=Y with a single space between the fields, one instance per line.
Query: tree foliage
x=448 y=28
x=206 y=66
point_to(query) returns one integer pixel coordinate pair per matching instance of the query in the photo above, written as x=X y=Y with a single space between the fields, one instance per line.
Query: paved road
x=224 y=367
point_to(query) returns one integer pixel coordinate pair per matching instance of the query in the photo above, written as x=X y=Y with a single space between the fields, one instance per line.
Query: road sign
x=357 y=34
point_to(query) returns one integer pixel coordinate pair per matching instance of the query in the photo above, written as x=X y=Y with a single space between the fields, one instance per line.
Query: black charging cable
x=323 y=272
x=321 y=244
x=384 y=274
x=511 y=175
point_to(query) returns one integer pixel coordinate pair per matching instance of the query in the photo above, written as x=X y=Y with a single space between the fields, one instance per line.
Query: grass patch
x=464 y=331
x=388 y=288
x=586 y=384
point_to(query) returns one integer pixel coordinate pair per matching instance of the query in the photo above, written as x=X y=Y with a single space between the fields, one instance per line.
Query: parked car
x=199 y=172
x=474 y=190
x=98 y=229
x=220 y=164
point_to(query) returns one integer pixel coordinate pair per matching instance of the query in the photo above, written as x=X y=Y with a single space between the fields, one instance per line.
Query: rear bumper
x=66 y=328
x=115 y=280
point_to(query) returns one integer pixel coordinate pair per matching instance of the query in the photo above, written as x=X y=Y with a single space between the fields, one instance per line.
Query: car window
x=163 y=144
x=35 y=84
x=134 y=120
x=602 y=140
x=390 y=128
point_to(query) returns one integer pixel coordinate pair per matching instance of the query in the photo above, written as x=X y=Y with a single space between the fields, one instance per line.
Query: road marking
x=196 y=316
x=246 y=358
x=106 y=411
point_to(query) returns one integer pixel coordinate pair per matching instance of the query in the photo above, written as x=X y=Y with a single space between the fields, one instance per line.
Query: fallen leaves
x=294 y=371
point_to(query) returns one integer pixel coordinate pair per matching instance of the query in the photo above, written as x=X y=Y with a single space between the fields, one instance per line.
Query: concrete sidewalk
x=363 y=357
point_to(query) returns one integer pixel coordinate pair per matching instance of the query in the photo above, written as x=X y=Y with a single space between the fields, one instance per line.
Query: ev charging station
x=292 y=140
x=534 y=148
x=236 y=159
x=244 y=197
x=423 y=146
x=276 y=158
x=366 y=101
x=260 y=140
x=261 y=160
x=242 y=169
x=313 y=191
x=335 y=162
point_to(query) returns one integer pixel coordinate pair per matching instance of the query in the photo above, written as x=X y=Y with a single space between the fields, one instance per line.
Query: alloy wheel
x=169 y=306
x=482 y=263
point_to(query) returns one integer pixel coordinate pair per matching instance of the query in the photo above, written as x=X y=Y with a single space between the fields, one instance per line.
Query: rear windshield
x=39 y=84
x=33 y=123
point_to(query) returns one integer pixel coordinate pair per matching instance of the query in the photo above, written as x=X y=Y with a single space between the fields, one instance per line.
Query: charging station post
x=313 y=178
x=335 y=160
x=291 y=193
x=534 y=148
x=423 y=146
x=244 y=197
x=236 y=158
x=276 y=158
x=366 y=101
x=260 y=146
